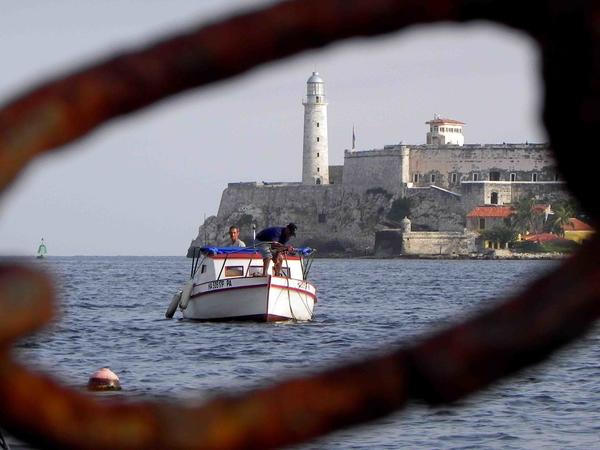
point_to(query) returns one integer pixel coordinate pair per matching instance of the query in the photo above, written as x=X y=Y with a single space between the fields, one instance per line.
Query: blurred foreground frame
x=441 y=368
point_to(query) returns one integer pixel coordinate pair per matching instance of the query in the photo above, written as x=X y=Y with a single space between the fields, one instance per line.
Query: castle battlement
x=262 y=184
x=503 y=146
x=243 y=184
x=511 y=182
x=425 y=147
x=387 y=151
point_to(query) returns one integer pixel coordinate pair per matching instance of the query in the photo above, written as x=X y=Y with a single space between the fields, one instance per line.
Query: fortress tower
x=315 y=158
x=445 y=131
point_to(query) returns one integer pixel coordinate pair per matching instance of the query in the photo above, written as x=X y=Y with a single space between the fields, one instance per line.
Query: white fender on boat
x=185 y=295
x=173 y=305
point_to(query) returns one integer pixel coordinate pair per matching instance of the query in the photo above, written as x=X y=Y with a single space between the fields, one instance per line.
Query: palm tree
x=524 y=216
x=562 y=217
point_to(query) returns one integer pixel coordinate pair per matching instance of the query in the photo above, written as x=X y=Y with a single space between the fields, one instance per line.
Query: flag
x=353 y=138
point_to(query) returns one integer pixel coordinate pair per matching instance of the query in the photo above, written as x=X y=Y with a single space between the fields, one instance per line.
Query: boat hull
x=262 y=299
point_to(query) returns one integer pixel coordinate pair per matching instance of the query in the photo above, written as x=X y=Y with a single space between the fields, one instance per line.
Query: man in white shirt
x=234 y=235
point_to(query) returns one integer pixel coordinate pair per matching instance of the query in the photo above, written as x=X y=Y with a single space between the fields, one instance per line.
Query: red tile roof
x=542 y=237
x=491 y=211
x=577 y=225
x=442 y=121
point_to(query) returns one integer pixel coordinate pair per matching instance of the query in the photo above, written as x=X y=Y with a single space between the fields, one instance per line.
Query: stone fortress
x=339 y=209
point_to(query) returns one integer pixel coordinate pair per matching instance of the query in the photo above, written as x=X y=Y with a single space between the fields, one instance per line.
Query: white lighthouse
x=315 y=158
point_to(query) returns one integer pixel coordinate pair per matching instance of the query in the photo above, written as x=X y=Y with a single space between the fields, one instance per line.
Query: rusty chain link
x=443 y=367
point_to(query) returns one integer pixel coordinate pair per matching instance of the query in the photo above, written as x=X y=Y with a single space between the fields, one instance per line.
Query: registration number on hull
x=219 y=284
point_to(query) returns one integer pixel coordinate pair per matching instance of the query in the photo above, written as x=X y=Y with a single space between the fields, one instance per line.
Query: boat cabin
x=218 y=263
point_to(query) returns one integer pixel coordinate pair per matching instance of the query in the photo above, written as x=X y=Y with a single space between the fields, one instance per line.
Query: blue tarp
x=227 y=250
x=302 y=251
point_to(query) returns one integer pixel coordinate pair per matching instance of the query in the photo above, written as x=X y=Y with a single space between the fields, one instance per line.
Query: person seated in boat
x=234 y=235
x=273 y=244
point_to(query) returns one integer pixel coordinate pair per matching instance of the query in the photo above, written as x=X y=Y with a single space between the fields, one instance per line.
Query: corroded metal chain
x=444 y=367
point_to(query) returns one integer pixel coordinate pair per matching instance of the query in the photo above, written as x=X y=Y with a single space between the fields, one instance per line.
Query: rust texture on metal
x=441 y=368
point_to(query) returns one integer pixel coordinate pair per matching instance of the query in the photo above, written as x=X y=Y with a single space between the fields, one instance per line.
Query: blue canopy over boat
x=207 y=250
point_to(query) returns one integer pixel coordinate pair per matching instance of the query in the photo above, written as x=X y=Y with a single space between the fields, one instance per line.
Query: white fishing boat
x=226 y=283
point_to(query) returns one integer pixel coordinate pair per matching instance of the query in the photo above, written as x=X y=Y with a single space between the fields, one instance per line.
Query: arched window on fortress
x=534 y=177
x=513 y=177
x=454 y=178
x=494 y=198
x=416 y=178
x=318 y=181
x=475 y=177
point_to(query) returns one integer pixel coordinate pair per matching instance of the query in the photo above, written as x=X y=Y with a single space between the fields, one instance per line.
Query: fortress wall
x=435 y=209
x=440 y=243
x=551 y=192
x=336 y=174
x=472 y=195
x=279 y=199
x=328 y=216
x=396 y=242
x=476 y=193
x=383 y=168
x=503 y=189
x=473 y=192
x=373 y=169
x=265 y=205
x=521 y=159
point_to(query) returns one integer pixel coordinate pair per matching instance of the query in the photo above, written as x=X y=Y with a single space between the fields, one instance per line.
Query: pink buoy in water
x=104 y=380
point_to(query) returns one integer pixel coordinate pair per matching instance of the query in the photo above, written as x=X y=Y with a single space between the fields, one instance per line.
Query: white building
x=315 y=158
x=445 y=131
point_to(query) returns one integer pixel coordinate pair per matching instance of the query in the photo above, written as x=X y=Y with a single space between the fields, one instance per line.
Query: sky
x=143 y=184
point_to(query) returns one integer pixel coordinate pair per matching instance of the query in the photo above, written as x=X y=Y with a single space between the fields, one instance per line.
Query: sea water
x=112 y=314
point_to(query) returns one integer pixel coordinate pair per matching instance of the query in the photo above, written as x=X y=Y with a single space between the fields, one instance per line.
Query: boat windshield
x=198 y=254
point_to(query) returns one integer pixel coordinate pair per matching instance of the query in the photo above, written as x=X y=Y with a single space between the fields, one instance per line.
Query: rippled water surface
x=112 y=314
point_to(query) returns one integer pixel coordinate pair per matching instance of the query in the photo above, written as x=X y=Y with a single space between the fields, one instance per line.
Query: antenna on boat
x=253 y=234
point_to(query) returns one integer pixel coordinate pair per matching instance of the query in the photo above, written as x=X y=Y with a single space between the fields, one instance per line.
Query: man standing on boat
x=272 y=244
x=234 y=235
